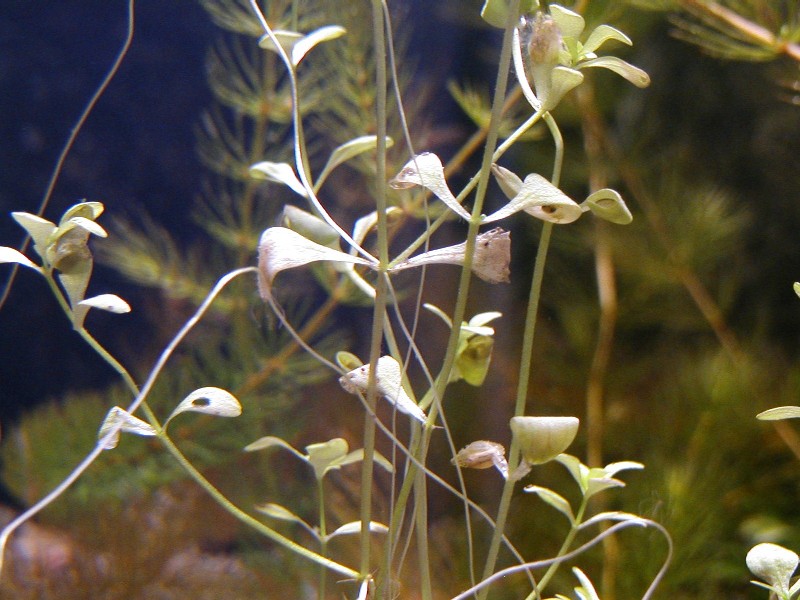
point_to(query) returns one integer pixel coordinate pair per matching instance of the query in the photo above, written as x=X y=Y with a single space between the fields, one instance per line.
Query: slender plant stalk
x=525 y=362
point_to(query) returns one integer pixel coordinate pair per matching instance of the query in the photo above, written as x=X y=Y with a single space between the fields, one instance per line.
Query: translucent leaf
x=553 y=499
x=779 y=413
x=324 y=455
x=576 y=468
x=543 y=200
x=616 y=516
x=495 y=12
x=624 y=465
x=355 y=527
x=347 y=151
x=609 y=205
x=601 y=35
x=633 y=74
x=124 y=421
x=10 y=255
x=281 y=248
x=287 y=40
x=599 y=484
x=440 y=313
x=271 y=441
x=570 y=23
x=508 y=181
x=562 y=81
x=482 y=319
x=426 y=170
x=208 y=400
x=276 y=511
x=38 y=228
x=323 y=34
x=388 y=381
x=278 y=173
x=796 y=288
x=310 y=226
x=365 y=224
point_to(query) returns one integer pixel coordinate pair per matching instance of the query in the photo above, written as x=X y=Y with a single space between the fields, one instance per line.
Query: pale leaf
x=10 y=255
x=553 y=499
x=779 y=413
x=347 y=151
x=278 y=173
x=209 y=400
x=121 y=420
x=323 y=34
x=355 y=527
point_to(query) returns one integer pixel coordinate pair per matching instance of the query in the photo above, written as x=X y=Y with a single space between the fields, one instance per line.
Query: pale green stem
x=379 y=311
x=323 y=537
x=525 y=361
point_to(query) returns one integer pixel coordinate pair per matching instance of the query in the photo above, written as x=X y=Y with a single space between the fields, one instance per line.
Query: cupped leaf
x=121 y=420
x=562 y=80
x=602 y=34
x=496 y=12
x=796 y=288
x=609 y=205
x=347 y=360
x=347 y=151
x=278 y=173
x=569 y=22
x=307 y=42
x=10 y=255
x=86 y=210
x=439 y=313
x=779 y=413
x=586 y=591
x=635 y=75
x=599 y=484
x=554 y=499
x=210 y=401
x=326 y=455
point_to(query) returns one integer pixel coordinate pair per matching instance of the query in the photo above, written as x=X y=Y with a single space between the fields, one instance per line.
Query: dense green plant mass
x=386 y=396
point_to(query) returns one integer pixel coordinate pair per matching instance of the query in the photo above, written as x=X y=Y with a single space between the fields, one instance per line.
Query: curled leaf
x=208 y=400
x=118 y=420
x=38 y=228
x=281 y=248
x=483 y=454
x=108 y=302
x=355 y=527
x=609 y=205
x=543 y=200
x=426 y=170
x=490 y=261
x=347 y=151
x=508 y=181
x=555 y=500
x=388 y=382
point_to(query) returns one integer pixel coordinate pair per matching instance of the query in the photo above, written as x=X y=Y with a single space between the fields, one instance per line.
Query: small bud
x=773 y=564
x=482 y=455
x=541 y=439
